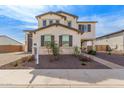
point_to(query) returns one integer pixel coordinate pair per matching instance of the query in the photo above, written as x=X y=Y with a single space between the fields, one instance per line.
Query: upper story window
x=85 y=28
x=80 y=27
x=44 y=23
x=57 y=21
x=69 y=24
x=50 y=22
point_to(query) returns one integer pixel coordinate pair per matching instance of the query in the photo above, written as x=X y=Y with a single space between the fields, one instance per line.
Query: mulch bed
x=64 y=62
x=117 y=59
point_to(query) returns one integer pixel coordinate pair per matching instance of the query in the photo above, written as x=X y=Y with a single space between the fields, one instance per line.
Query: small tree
x=76 y=51
x=48 y=46
x=109 y=50
x=55 y=49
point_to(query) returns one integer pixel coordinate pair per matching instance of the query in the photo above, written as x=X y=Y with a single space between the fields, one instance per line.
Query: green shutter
x=42 y=40
x=60 y=40
x=89 y=27
x=70 y=40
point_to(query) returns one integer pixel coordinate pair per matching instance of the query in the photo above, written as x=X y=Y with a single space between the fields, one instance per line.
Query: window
x=50 y=22
x=89 y=27
x=69 y=23
x=65 y=40
x=80 y=27
x=85 y=28
x=57 y=21
x=44 y=23
x=46 y=39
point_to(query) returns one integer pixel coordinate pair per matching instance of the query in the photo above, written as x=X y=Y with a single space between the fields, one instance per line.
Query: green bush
x=76 y=51
x=92 y=52
x=83 y=63
x=55 y=49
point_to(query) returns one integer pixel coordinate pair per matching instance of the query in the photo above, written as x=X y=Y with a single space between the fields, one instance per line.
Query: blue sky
x=15 y=19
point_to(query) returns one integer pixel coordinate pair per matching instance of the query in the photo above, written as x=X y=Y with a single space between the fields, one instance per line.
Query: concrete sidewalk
x=62 y=78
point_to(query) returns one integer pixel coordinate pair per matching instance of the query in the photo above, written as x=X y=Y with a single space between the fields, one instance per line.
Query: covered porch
x=87 y=44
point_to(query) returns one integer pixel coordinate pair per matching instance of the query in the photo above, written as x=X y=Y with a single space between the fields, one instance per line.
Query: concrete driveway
x=62 y=78
x=6 y=58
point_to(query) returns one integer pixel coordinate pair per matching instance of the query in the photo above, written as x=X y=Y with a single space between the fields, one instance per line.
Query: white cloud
x=27 y=13
x=22 y=13
x=106 y=23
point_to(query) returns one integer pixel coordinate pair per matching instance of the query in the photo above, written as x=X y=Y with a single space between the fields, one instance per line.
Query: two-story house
x=61 y=27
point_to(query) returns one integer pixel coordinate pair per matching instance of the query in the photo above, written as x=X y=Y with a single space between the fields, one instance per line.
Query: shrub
x=76 y=51
x=83 y=63
x=31 y=58
x=15 y=64
x=55 y=48
x=109 y=52
x=83 y=58
x=92 y=52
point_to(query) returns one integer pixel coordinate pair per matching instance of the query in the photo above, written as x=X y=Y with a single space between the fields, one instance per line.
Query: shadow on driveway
x=81 y=75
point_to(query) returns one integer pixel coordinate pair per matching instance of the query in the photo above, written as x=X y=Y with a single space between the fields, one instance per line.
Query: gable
x=50 y=13
x=66 y=14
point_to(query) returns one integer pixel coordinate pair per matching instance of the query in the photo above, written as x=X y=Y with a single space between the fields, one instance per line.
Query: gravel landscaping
x=68 y=62
x=64 y=62
x=117 y=59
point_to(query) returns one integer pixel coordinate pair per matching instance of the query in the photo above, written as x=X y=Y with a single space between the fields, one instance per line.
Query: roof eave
x=52 y=25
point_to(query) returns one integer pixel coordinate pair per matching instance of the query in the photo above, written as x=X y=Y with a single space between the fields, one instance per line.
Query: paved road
x=62 y=78
x=6 y=58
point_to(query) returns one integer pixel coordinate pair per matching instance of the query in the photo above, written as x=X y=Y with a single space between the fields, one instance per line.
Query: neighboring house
x=8 y=44
x=64 y=29
x=115 y=41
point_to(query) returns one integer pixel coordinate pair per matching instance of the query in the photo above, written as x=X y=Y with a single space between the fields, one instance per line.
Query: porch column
x=37 y=54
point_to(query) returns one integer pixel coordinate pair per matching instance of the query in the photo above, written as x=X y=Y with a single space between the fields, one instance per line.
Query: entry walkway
x=62 y=78
x=104 y=62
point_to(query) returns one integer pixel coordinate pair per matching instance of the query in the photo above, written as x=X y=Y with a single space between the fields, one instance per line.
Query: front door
x=29 y=42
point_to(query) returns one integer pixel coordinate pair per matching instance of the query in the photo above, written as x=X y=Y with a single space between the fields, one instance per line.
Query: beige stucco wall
x=72 y=19
x=112 y=41
x=61 y=19
x=86 y=35
x=49 y=17
x=89 y=35
x=56 y=31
